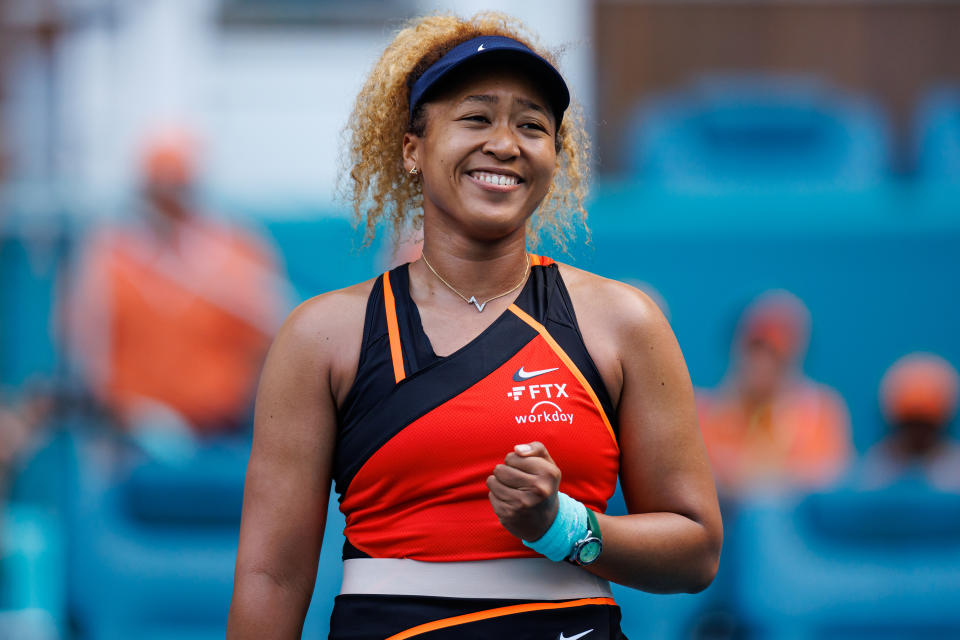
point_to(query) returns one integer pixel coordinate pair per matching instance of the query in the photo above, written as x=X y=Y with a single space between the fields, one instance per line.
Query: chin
x=495 y=228
x=499 y=219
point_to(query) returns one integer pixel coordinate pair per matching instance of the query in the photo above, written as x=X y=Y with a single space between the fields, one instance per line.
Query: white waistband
x=510 y=578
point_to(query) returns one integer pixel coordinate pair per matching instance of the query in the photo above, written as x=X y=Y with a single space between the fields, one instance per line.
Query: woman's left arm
x=671 y=540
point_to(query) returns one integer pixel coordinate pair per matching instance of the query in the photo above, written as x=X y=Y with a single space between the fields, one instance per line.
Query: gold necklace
x=472 y=299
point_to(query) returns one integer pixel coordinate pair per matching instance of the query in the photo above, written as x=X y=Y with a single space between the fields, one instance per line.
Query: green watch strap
x=593 y=524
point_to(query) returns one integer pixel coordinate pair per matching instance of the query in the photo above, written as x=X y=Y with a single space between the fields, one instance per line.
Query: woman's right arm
x=288 y=476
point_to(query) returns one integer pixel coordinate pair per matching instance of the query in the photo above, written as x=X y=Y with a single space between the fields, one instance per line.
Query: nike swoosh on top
x=579 y=635
x=480 y=48
x=522 y=375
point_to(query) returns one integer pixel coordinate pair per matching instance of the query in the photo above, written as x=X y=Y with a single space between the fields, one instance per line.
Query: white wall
x=270 y=104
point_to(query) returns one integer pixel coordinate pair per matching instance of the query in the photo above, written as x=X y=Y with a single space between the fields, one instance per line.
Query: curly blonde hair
x=379 y=188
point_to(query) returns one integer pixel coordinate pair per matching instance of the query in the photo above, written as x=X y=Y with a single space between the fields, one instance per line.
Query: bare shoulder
x=616 y=308
x=617 y=322
x=329 y=313
x=325 y=333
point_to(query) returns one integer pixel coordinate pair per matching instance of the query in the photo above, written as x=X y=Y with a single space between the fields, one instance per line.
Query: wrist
x=569 y=527
x=587 y=549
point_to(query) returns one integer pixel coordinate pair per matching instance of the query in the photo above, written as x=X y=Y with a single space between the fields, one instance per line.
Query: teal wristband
x=568 y=527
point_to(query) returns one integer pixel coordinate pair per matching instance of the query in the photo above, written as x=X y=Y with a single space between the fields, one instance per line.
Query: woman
x=474 y=407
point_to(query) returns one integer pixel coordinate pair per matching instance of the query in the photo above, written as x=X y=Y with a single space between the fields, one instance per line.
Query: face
x=762 y=371
x=170 y=201
x=919 y=435
x=487 y=155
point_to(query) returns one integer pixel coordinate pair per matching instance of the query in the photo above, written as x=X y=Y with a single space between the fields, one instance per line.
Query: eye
x=536 y=126
x=475 y=117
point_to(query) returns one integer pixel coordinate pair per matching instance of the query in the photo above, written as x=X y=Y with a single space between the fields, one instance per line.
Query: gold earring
x=414 y=171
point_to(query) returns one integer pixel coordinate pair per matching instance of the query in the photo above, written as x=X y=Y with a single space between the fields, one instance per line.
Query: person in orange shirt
x=767 y=426
x=169 y=319
x=918 y=395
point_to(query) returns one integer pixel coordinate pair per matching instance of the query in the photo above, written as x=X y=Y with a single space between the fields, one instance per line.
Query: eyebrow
x=486 y=98
x=491 y=99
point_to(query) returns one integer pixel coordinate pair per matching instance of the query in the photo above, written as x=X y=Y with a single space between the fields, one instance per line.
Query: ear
x=411 y=147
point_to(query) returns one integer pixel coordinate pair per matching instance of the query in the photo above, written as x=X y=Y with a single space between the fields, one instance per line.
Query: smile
x=495 y=179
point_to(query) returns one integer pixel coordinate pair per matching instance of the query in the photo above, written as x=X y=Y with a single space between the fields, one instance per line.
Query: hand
x=523 y=491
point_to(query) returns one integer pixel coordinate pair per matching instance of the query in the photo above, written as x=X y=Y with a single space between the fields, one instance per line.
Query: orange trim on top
x=393 y=329
x=542 y=330
x=539 y=261
x=496 y=613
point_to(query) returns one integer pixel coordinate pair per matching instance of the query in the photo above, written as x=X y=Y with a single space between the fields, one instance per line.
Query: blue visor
x=497 y=47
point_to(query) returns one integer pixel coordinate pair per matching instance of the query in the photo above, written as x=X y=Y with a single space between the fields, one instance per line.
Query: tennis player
x=475 y=407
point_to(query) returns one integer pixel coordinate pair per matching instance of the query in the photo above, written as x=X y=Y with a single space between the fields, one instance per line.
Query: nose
x=502 y=142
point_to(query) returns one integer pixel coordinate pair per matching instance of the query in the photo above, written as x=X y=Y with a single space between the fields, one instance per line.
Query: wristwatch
x=587 y=549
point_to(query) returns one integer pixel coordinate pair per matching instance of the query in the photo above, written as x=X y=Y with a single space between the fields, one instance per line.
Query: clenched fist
x=523 y=491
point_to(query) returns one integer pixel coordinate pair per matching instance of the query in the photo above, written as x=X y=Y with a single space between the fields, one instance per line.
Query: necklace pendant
x=478 y=305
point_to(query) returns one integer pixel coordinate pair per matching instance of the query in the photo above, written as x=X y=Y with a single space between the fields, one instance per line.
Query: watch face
x=589 y=552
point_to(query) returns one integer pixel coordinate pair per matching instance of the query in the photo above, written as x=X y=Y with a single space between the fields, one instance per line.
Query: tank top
x=418 y=434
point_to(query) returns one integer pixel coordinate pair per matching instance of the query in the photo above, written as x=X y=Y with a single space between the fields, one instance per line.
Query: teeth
x=495 y=178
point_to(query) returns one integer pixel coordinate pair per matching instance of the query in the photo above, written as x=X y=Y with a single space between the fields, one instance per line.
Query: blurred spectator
x=918 y=395
x=767 y=426
x=170 y=317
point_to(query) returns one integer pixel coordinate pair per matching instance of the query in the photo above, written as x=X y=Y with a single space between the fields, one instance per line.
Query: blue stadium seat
x=32 y=590
x=938 y=136
x=152 y=551
x=850 y=564
x=756 y=131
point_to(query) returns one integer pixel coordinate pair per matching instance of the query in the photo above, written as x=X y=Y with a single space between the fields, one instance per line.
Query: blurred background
x=783 y=177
